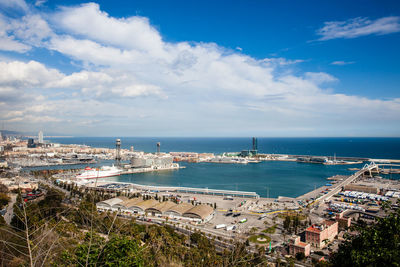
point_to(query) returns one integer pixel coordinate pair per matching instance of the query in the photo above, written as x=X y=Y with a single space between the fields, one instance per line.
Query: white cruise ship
x=105 y=171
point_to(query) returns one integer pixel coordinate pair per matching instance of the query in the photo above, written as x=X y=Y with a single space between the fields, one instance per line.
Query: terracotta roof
x=301 y=244
x=313 y=229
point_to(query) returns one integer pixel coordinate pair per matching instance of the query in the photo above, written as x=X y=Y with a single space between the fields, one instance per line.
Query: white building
x=40 y=137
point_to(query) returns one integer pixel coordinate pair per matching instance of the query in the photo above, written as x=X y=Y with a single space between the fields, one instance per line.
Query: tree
x=4 y=199
x=253 y=230
x=286 y=223
x=3 y=188
x=376 y=245
x=296 y=223
x=300 y=256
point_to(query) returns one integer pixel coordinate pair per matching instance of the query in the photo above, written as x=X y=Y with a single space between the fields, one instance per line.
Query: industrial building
x=178 y=210
x=152 y=207
x=160 y=208
x=361 y=188
x=158 y=161
x=201 y=212
x=109 y=204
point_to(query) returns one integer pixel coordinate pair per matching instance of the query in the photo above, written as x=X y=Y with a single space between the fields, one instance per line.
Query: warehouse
x=202 y=213
x=160 y=208
x=108 y=204
x=142 y=206
x=178 y=210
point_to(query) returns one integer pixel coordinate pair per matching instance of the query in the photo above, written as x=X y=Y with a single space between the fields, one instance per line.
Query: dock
x=179 y=189
x=150 y=169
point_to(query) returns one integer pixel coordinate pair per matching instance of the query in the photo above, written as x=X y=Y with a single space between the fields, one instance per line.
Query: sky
x=201 y=68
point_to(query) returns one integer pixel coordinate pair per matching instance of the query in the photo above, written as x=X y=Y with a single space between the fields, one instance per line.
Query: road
x=10 y=209
x=339 y=186
x=55 y=187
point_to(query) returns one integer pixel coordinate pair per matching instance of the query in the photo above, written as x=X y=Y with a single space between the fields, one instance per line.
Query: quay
x=151 y=169
x=178 y=189
x=338 y=187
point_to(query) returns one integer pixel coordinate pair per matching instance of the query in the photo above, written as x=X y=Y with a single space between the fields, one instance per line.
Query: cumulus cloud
x=8 y=42
x=132 y=33
x=133 y=82
x=33 y=29
x=18 y=74
x=357 y=27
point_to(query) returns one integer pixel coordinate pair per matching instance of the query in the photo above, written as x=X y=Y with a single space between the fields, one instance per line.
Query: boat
x=105 y=171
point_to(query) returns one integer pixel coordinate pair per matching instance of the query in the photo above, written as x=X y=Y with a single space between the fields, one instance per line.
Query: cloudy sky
x=212 y=68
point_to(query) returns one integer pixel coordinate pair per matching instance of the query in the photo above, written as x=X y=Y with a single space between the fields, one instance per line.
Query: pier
x=178 y=189
x=367 y=168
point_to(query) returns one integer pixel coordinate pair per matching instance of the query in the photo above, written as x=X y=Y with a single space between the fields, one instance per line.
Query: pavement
x=10 y=209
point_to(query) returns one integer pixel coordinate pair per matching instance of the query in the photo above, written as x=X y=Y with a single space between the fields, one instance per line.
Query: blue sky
x=204 y=68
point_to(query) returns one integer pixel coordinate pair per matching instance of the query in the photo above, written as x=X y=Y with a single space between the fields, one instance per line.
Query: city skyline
x=152 y=68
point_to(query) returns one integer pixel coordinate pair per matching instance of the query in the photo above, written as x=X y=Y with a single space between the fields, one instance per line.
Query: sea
x=268 y=179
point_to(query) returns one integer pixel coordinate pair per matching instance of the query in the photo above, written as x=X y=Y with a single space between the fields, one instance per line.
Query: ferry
x=105 y=171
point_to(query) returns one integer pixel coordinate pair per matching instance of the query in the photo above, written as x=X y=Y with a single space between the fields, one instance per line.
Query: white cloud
x=18 y=74
x=342 y=63
x=133 y=82
x=33 y=29
x=357 y=27
x=40 y=2
x=15 y=4
x=280 y=61
x=130 y=33
x=7 y=42
x=319 y=77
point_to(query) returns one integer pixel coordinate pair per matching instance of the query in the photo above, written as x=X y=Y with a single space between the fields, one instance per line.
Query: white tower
x=40 y=137
x=118 y=152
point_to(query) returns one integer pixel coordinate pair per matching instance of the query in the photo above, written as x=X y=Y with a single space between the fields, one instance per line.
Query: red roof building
x=296 y=246
x=319 y=235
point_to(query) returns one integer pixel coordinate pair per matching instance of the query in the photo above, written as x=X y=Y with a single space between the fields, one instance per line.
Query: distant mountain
x=7 y=132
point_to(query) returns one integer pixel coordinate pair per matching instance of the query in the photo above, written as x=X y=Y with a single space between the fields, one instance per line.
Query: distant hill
x=7 y=132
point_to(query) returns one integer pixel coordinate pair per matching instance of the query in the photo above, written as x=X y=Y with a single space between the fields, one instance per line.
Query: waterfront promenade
x=177 y=189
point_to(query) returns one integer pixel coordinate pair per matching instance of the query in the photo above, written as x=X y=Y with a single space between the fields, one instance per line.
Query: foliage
x=4 y=199
x=376 y=245
x=3 y=188
x=95 y=250
x=286 y=223
x=76 y=235
x=37 y=212
x=300 y=256
x=270 y=230
x=254 y=238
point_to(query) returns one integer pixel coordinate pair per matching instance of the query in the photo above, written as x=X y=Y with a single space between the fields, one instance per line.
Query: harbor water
x=271 y=178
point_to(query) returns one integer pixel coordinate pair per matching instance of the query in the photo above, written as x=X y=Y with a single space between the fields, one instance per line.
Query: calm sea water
x=281 y=178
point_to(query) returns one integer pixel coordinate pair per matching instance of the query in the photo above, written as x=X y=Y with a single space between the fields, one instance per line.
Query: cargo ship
x=105 y=171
